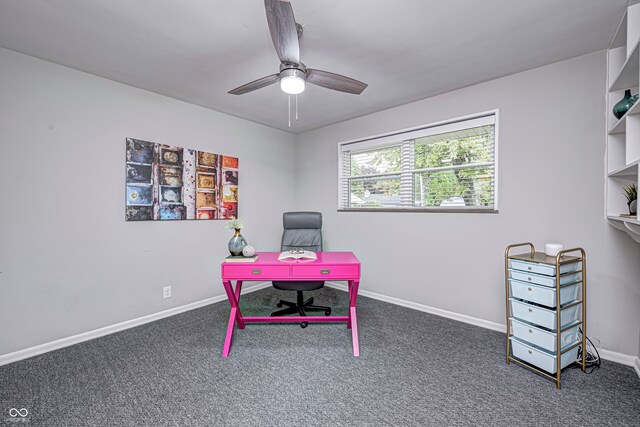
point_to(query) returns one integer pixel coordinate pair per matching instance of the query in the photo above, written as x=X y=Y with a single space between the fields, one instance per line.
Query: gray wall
x=69 y=263
x=551 y=183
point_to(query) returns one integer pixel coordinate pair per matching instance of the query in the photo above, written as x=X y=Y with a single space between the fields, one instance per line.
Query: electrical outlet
x=166 y=292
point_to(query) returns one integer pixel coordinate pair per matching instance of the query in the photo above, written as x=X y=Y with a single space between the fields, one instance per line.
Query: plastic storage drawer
x=546 y=269
x=543 y=317
x=540 y=358
x=540 y=279
x=544 y=339
x=543 y=294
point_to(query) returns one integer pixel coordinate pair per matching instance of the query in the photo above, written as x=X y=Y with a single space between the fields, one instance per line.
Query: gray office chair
x=301 y=230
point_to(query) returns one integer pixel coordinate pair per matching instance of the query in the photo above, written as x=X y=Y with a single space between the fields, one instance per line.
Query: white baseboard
x=621 y=358
x=5 y=359
x=613 y=356
x=427 y=309
x=86 y=336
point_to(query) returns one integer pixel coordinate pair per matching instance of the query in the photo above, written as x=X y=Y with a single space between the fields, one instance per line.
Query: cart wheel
x=304 y=324
x=327 y=312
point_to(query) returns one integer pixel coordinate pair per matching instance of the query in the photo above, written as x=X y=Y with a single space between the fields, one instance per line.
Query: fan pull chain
x=289 y=98
x=296 y=107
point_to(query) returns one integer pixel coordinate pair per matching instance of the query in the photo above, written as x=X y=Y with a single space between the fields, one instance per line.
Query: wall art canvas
x=165 y=182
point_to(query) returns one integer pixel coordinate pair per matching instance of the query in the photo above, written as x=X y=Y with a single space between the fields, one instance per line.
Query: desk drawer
x=256 y=272
x=325 y=271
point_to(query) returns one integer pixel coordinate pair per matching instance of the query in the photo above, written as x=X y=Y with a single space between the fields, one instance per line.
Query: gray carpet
x=415 y=369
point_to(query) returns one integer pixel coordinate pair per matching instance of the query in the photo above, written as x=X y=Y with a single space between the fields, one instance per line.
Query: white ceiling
x=406 y=50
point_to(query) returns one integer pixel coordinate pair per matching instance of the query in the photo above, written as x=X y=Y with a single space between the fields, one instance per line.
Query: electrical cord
x=592 y=359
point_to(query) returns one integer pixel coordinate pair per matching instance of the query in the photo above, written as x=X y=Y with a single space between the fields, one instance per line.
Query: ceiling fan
x=293 y=73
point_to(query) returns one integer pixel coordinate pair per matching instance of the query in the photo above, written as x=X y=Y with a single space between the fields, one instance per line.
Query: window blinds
x=447 y=166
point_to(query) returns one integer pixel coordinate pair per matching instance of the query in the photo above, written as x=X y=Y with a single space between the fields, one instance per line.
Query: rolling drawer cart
x=546 y=308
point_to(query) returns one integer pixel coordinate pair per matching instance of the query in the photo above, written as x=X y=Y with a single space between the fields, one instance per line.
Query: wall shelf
x=631 y=226
x=628 y=76
x=630 y=170
x=623 y=219
x=623 y=135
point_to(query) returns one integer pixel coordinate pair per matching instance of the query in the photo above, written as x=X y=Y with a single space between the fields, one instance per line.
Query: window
x=444 y=167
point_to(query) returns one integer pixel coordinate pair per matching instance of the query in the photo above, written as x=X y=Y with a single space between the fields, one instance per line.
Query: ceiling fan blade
x=255 y=85
x=335 y=81
x=282 y=26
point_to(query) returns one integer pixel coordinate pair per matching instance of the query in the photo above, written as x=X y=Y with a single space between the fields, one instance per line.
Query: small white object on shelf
x=248 y=251
x=552 y=249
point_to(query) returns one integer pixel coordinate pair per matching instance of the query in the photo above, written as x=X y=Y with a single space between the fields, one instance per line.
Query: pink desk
x=328 y=266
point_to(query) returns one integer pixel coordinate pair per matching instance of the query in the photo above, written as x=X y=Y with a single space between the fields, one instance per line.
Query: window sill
x=423 y=210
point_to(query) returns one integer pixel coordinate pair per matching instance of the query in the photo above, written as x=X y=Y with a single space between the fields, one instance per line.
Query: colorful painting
x=165 y=182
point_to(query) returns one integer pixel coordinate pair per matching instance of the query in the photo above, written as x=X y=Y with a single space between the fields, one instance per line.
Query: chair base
x=300 y=307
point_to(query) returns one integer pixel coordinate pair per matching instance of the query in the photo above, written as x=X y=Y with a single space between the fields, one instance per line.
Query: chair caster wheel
x=304 y=324
x=279 y=305
x=327 y=312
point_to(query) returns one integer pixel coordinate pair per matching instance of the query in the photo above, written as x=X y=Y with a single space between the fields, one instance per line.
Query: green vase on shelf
x=621 y=108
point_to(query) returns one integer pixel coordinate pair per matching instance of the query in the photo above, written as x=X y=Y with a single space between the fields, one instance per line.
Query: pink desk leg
x=350 y=289
x=229 y=337
x=234 y=316
x=353 y=320
x=239 y=318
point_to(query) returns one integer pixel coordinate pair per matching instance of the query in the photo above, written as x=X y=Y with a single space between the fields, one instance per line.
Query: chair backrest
x=302 y=230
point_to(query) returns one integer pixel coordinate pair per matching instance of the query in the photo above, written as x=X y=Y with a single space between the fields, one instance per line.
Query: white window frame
x=399 y=137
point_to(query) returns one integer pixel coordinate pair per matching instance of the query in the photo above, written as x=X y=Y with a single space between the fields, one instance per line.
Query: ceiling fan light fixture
x=292 y=81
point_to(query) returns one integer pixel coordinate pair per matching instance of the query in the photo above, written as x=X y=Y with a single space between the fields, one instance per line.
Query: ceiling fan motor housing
x=291 y=66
